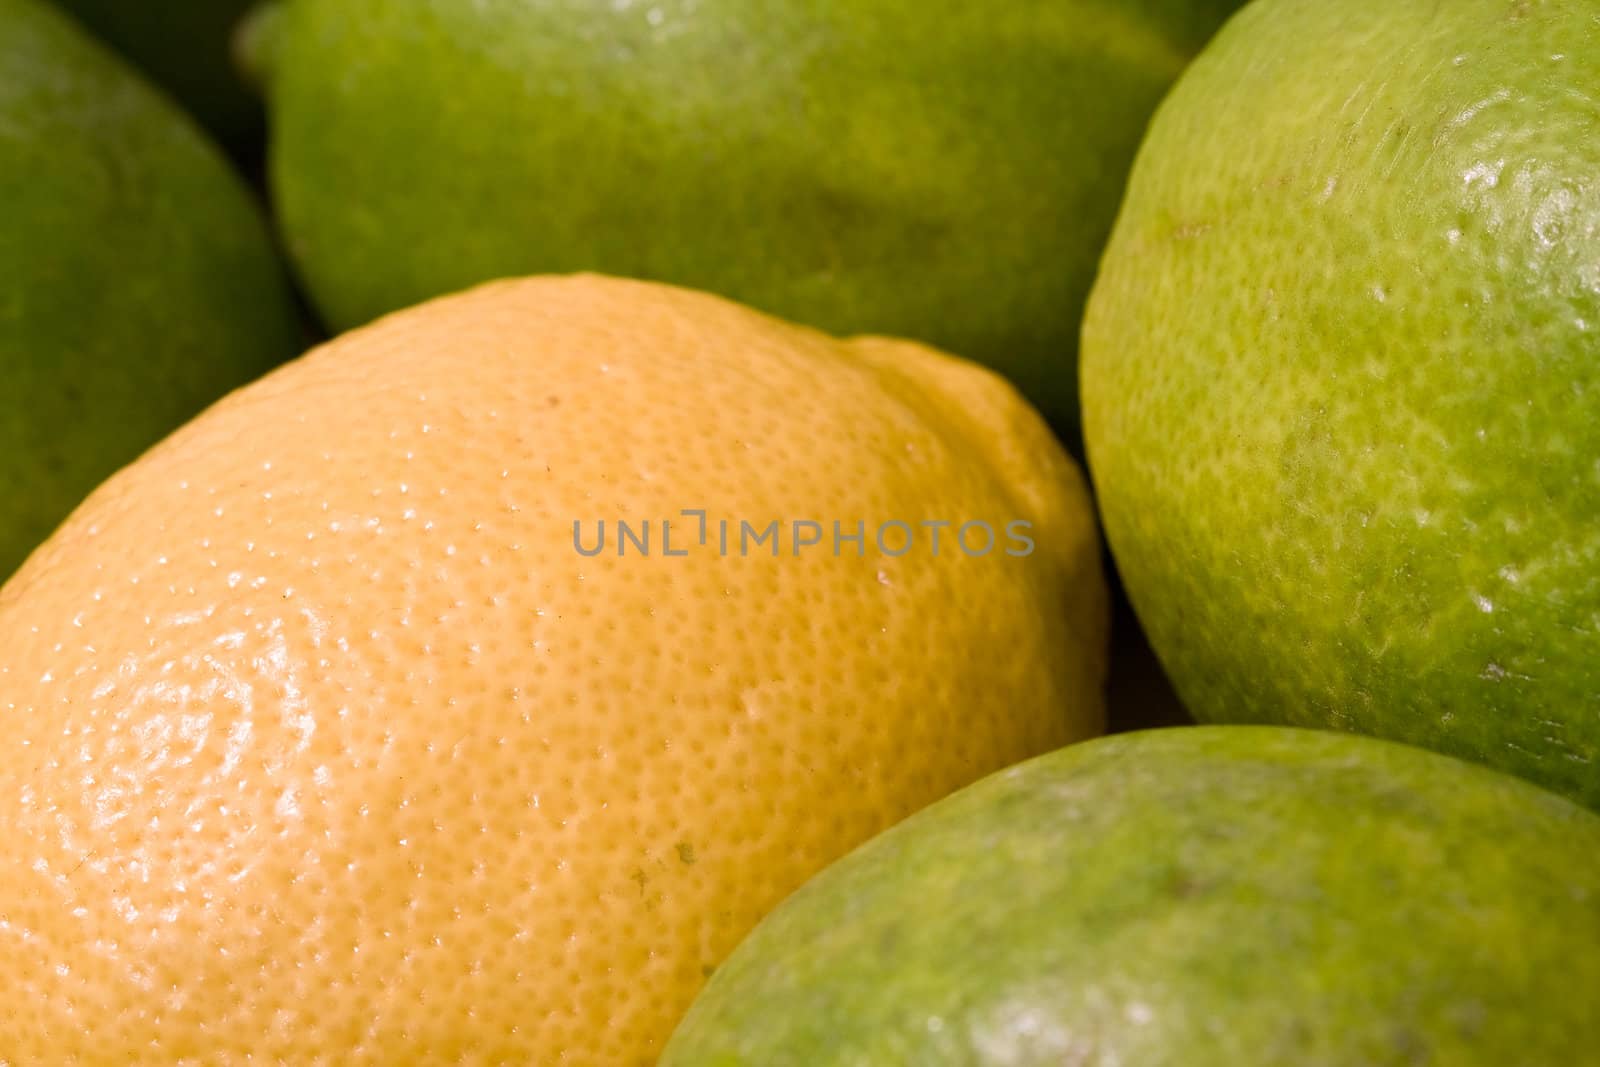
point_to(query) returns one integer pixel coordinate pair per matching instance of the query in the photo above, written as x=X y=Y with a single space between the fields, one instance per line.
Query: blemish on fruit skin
x=685 y=853
x=1190 y=230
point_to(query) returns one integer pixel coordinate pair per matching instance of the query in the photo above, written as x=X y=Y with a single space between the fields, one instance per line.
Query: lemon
x=331 y=734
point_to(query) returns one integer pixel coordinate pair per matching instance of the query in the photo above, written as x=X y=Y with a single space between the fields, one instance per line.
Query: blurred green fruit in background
x=946 y=171
x=137 y=282
x=1198 y=897
x=186 y=47
x=1341 y=372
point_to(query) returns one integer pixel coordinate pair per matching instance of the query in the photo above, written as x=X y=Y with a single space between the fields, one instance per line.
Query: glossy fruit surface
x=1193 y=897
x=324 y=740
x=946 y=171
x=1340 y=374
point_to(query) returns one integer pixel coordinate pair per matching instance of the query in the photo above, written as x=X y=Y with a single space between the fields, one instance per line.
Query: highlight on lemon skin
x=563 y=670
x=324 y=741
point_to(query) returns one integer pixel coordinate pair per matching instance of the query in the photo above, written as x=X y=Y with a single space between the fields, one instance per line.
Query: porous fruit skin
x=1340 y=372
x=1192 y=897
x=137 y=281
x=940 y=170
x=324 y=743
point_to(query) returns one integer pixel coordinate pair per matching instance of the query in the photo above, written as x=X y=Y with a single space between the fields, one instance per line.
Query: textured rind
x=320 y=742
x=1340 y=373
x=946 y=171
x=1197 y=897
x=137 y=281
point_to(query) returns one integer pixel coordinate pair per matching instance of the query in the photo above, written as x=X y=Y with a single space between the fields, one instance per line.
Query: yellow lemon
x=337 y=730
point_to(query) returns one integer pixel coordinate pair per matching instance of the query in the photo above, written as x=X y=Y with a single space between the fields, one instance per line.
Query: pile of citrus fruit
x=583 y=534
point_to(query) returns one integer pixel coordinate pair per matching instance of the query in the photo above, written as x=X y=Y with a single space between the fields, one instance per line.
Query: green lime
x=137 y=282
x=187 y=48
x=1340 y=372
x=1192 y=897
x=945 y=172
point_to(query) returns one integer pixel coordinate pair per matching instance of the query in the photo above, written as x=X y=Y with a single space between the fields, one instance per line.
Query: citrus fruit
x=137 y=282
x=946 y=172
x=1339 y=376
x=333 y=736
x=1186 y=898
x=186 y=47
